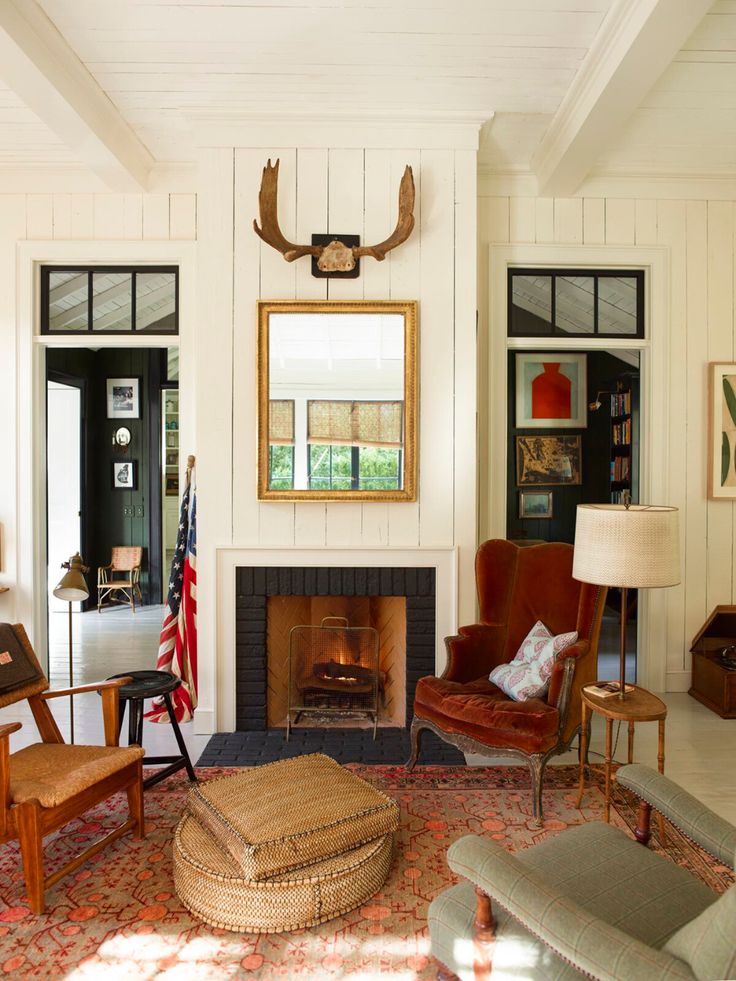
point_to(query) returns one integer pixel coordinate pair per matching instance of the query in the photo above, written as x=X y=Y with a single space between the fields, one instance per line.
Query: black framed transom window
x=575 y=302
x=109 y=300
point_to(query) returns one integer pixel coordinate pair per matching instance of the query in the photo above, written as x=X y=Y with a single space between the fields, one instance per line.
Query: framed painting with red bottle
x=551 y=390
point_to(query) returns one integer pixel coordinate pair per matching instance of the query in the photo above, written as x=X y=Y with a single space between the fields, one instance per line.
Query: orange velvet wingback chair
x=516 y=587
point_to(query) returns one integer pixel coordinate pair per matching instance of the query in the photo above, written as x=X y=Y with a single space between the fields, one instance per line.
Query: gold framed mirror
x=337 y=400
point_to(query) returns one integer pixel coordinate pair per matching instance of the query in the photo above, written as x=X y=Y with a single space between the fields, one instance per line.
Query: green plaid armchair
x=591 y=901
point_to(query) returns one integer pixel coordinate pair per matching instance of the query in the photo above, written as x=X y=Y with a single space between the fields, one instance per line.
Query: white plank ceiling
x=687 y=123
x=158 y=61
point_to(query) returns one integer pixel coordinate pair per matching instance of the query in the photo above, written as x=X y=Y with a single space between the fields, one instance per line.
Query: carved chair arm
x=9 y=727
x=474 y=651
x=92 y=686
x=573 y=932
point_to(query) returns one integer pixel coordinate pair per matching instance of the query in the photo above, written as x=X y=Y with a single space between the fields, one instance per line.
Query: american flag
x=177 y=652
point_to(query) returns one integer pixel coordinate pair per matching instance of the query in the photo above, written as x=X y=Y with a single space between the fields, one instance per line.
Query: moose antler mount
x=335 y=257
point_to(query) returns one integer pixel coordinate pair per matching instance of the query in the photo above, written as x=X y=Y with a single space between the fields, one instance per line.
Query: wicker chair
x=125 y=559
x=45 y=785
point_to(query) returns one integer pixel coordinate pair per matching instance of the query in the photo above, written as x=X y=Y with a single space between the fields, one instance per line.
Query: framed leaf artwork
x=722 y=425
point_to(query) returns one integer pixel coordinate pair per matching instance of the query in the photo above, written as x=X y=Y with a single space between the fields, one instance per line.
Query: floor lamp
x=72 y=589
x=631 y=546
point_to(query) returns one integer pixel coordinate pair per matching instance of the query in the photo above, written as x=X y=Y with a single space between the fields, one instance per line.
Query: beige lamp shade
x=73 y=586
x=636 y=547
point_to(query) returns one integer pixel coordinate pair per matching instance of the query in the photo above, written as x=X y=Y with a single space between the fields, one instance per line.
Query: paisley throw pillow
x=527 y=676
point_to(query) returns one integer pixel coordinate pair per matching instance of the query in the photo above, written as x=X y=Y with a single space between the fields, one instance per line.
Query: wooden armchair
x=125 y=559
x=45 y=785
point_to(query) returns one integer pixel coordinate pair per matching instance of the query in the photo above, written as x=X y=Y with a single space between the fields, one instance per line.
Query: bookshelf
x=621 y=476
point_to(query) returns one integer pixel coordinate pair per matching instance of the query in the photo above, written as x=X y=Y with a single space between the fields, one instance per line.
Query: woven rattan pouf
x=283 y=846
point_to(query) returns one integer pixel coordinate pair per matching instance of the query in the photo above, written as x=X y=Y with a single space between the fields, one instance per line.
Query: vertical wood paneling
x=545 y=219
x=183 y=216
x=344 y=522
x=522 y=220
x=277 y=281
x=645 y=231
x=437 y=354
x=109 y=209
x=671 y=222
x=156 y=216
x=133 y=216
x=720 y=348
x=83 y=216
x=246 y=286
x=466 y=396
x=39 y=216
x=594 y=221
x=695 y=537
x=620 y=222
x=62 y=216
x=568 y=220
x=497 y=218
x=381 y=212
x=311 y=217
x=405 y=270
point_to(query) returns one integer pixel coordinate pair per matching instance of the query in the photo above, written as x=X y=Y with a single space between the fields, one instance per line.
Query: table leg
x=631 y=742
x=583 y=750
x=608 y=761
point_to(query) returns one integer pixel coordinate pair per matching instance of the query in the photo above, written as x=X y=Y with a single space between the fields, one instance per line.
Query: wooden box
x=714 y=662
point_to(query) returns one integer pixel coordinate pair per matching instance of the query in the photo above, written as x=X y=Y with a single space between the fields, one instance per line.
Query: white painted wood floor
x=700 y=747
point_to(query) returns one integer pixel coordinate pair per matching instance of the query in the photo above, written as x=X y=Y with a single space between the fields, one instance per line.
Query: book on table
x=604 y=689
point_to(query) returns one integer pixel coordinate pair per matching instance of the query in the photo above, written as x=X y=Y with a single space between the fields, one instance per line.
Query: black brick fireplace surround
x=253 y=586
x=253 y=743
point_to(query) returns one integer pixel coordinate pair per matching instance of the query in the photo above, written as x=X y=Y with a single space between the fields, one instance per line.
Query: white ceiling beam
x=38 y=64
x=636 y=43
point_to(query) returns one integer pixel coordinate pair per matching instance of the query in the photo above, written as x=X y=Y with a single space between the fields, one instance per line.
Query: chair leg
x=31 y=849
x=416 y=740
x=135 y=804
x=536 y=769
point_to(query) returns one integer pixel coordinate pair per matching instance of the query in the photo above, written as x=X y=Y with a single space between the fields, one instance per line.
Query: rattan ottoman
x=283 y=846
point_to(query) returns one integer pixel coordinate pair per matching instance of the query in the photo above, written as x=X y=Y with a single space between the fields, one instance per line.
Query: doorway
x=589 y=455
x=65 y=456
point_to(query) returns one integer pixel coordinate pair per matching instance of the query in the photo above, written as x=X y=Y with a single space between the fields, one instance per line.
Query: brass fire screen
x=333 y=670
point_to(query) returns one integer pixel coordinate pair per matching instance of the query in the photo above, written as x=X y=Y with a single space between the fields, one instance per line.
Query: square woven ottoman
x=283 y=846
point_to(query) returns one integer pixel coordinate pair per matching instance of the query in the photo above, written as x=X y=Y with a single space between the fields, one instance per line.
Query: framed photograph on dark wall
x=548 y=460
x=535 y=504
x=124 y=475
x=123 y=398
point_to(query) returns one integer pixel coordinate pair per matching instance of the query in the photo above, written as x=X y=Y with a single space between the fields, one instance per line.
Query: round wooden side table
x=639 y=705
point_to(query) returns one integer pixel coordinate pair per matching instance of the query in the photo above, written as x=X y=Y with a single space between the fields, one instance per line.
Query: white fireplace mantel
x=443 y=560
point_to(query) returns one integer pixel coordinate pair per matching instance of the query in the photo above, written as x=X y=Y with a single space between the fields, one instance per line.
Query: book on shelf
x=604 y=689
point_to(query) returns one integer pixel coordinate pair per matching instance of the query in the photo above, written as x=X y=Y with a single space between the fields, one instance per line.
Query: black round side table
x=152 y=684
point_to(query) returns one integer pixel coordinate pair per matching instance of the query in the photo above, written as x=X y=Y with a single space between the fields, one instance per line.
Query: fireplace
x=398 y=603
x=333 y=671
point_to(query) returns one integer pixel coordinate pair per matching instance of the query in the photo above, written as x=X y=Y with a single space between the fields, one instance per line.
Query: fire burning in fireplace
x=333 y=670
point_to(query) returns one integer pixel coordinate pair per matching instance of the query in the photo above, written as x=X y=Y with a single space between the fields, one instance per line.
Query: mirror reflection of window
x=336 y=401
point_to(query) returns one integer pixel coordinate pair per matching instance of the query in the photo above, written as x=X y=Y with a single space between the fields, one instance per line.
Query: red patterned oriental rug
x=118 y=916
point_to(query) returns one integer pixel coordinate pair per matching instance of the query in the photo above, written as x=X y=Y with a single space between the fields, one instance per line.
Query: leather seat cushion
x=482 y=711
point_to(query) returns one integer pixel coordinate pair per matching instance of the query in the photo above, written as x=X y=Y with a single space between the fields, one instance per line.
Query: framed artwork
x=722 y=431
x=124 y=475
x=123 y=398
x=548 y=460
x=551 y=391
x=535 y=504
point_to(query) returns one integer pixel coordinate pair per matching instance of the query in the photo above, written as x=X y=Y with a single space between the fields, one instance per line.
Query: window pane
x=68 y=304
x=617 y=305
x=574 y=304
x=111 y=301
x=531 y=305
x=155 y=302
x=172 y=364
x=379 y=468
x=282 y=468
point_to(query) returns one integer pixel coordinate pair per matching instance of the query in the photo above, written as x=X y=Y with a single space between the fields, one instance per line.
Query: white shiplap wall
x=60 y=218
x=339 y=190
x=699 y=235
